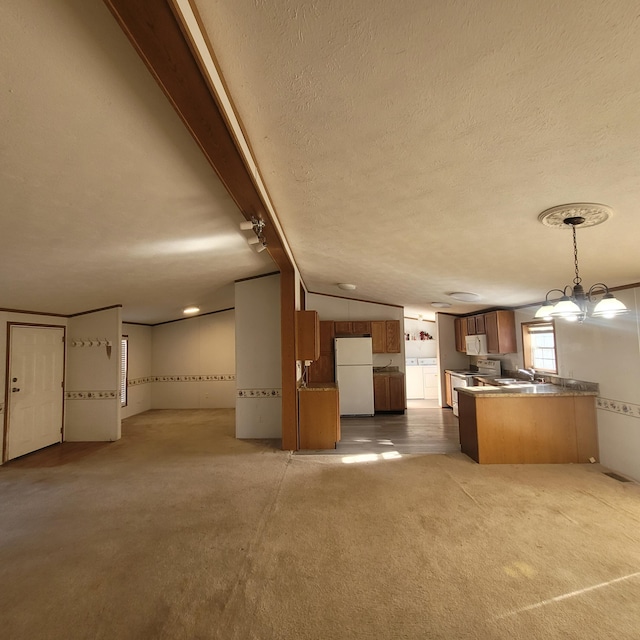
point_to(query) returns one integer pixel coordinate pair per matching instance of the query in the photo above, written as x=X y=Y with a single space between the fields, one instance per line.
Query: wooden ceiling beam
x=157 y=36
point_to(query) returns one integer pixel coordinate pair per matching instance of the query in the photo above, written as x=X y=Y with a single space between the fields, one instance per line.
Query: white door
x=36 y=375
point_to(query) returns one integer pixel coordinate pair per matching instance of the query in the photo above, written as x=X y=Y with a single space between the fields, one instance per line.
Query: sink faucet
x=530 y=373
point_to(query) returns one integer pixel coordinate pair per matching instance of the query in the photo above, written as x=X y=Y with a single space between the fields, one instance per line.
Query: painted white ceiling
x=408 y=147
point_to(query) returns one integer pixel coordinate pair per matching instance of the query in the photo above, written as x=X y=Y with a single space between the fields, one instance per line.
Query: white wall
x=258 y=358
x=27 y=318
x=193 y=363
x=92 y=406
x=606 y=352
x=342 y=309
x=139 y=369
x=416 y=348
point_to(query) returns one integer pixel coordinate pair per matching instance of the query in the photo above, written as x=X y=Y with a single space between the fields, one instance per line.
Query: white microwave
x=476 y=345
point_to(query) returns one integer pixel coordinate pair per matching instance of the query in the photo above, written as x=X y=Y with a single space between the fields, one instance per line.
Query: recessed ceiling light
x=441 y=305
x=190 y=310
x=346 y=286
x=465 y=296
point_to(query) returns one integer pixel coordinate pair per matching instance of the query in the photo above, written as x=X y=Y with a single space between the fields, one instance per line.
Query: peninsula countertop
x=519 y=391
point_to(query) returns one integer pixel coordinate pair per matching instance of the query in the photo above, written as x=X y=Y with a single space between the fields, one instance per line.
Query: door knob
x=14 y=379
x=14 y=389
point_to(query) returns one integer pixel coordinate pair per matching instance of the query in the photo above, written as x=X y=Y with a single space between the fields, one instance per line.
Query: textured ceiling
x=408 y=148
x=105 y=199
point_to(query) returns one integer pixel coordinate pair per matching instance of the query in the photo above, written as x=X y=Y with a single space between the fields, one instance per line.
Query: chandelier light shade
x=609 y=307
x=573 y=303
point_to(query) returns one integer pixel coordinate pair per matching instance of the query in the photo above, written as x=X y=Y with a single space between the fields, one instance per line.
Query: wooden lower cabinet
x=389 y=393
x=448 y=393
x=318 y=416
x=528 y=430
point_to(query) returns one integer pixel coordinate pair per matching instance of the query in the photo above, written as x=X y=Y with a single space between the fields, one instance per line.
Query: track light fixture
x=257 y=242
x=573 y=302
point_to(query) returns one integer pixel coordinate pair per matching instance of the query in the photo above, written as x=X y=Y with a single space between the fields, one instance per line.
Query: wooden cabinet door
x=448 y=397
x=327 y=334
x=323 y=369
x=392 y=328
x=491 y=327
x=507 y=332
x=396 y=393
x=471 y=326
x=460 y=325
x=318 y=420
x=379 y=336
x=361 y=327
x=381 y=393
x=307 y=335
x=501 y=331
x=480 y=328
x=343 y=328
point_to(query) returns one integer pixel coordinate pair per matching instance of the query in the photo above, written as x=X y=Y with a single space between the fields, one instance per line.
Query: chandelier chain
x=577 y=280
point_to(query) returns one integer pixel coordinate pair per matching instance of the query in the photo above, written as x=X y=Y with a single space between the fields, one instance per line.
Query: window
x=124 y=365
x=539 y=346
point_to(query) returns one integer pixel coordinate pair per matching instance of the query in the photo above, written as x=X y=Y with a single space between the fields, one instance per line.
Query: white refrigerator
x=354 y=375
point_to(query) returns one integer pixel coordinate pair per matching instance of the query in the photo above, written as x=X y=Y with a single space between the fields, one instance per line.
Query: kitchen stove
x=487 y=368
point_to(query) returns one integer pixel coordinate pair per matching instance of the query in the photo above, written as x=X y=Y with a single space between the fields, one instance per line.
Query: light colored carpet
x=180 y=531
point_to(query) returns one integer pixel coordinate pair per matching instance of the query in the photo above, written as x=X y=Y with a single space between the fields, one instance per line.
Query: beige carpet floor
x=180 y=531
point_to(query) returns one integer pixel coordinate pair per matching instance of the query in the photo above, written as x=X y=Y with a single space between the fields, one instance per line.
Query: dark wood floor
x=419 y=430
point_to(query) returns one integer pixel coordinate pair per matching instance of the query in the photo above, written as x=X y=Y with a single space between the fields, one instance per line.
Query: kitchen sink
x=517 y=381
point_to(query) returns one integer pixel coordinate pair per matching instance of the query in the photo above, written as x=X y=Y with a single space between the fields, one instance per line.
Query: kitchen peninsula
x=538 y=424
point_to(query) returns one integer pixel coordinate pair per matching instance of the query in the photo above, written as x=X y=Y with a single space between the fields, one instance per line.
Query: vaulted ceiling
x=407 y=148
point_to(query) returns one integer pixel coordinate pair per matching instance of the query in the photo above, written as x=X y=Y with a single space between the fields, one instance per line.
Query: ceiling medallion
x=591 y=212
x=574 y=302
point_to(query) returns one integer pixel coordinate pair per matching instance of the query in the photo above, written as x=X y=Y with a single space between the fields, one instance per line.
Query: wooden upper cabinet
x=323 y=369
x=379 y=336
x=392 y=328
x=500 y=328
x=343 y=328
x=460 y=325
x=361 y=327
x=385 y=336
x=471 y=326
x=327 y=334
x=352 y=328
x=307 y=335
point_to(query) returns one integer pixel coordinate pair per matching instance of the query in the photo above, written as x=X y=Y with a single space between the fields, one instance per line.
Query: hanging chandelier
x=574 y=303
